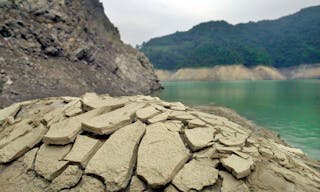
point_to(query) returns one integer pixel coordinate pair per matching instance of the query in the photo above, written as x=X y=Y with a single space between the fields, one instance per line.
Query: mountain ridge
x=284 y=42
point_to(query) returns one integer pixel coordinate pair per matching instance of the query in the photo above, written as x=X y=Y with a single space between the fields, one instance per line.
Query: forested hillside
x=285 y=42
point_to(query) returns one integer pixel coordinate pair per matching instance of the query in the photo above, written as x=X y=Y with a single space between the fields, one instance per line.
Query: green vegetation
x=288 y=41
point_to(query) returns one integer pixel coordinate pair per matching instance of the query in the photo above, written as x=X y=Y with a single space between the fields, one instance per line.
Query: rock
x=22 y=144
x=196 y=123
x=232 y=138
x=93 y=101
x=65 y=132
x=88 y=183
x=12 y=110
x=68 y=178
x=266 y=151
x=161 y=155
x=29 y=158
x=49 y=162
x=83 y=149
x=116 y=159
x=239 y=167
x=109 y=122
x=178 y=106
x=180 y=115
x=15 y=131
x=95 y=60
x=199 y=138
x=136 y=185
x=196 y=175
x=147 y=112
x=74 y=110
x=158 y=118
x=171 y=188
x=231 y=184
x=174 y=126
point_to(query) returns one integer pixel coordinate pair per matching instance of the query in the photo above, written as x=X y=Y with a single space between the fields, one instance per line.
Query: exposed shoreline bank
x=130 y=137
x=240 y=72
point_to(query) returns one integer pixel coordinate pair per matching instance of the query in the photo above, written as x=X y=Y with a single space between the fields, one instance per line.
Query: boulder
x=83 y=149
x=161 y=155
x=116 y=159
x=196 y=175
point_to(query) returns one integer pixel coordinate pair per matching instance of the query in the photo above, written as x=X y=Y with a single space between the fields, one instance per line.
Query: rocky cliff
x=240 y=72
x=141 y=143
x=50 y=48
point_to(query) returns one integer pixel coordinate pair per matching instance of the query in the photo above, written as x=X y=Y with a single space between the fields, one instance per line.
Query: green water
x=290 y=108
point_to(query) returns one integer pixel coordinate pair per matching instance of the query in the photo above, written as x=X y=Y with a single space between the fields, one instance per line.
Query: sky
x=141 y=20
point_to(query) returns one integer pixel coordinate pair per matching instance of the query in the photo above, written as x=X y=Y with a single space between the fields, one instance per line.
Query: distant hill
x=285 y=42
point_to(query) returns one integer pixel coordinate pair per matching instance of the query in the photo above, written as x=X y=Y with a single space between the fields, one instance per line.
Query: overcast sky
x=140 y=20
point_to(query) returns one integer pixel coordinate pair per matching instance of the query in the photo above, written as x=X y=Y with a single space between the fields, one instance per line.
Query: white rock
x=161 y=155
x=239 y=167
x=199 y=138
x=68 y=178
x=196 y=123
x=158 y=118
x=231 y=184
x=147 y=112
x=232 y=139
x=83 y=149
x=87 y=184
x=136 y=185
x=177 y=106
x=93 y=101
x=22 y=144
x=65 y=132
x=196 y=174
x=115 y=160
x=49 y=162
x=109 y=122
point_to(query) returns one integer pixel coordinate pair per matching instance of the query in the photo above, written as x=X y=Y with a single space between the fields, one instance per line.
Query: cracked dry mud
x=140 y=143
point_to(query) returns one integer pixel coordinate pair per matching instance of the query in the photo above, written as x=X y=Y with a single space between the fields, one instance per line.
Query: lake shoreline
x=287 y=107
x=240 y=72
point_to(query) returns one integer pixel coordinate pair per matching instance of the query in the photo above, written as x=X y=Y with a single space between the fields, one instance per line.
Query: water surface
x=290 y=108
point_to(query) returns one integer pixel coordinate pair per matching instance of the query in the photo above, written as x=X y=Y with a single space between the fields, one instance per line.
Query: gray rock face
x=60 y=55
x=132 y=143
x=115 y=160
x=161 y=155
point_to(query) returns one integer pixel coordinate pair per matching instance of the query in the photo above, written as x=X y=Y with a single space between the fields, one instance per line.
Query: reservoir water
x=290 y=108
